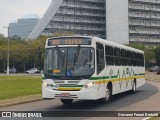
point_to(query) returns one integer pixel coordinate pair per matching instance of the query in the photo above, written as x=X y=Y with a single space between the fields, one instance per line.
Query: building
x=77 y=17
x=144 y=21
x=22 y=27
x=121 y=21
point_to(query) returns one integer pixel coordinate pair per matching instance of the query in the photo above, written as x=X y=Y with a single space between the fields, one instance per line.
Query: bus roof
x=104 y=41
x=114 y=44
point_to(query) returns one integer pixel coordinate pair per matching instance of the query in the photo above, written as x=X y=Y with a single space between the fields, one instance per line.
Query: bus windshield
x=69 y=62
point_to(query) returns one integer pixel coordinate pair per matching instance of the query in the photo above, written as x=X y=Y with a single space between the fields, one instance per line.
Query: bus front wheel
x=66 y=101
x=108 y=94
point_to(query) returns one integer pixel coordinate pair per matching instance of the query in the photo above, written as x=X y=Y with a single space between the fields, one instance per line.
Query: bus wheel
x=66 y=101
x=133 y=87
x=108 y=94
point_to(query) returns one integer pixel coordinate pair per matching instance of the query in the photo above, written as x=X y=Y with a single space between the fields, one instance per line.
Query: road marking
x=146 y=118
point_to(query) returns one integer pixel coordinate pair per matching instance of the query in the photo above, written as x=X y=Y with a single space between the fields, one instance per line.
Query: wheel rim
x=107 y=95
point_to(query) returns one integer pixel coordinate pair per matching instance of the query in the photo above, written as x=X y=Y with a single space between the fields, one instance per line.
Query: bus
x=90 y=68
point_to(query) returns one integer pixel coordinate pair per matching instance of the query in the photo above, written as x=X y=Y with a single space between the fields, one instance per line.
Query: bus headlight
x=89 y=85
x=45 y=83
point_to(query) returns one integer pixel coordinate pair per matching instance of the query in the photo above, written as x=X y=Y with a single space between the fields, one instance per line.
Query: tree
x=149 y=55
x=138 y=46
x=37 y=50
x=3 y=52
x=2 y=36
x=22 y=53
x=157 y=54
x=148 y=51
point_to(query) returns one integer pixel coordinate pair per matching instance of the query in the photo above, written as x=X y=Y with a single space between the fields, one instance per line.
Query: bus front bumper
x=88 y=94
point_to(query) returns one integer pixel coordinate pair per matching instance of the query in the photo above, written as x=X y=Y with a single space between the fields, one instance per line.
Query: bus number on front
x=55 y=42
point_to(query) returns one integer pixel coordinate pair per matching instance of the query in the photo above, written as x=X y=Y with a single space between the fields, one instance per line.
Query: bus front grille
x=71 y=96
x=74 y=82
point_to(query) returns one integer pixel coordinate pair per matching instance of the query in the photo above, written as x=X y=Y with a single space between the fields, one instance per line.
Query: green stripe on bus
x=113 y=77
x=98 y=78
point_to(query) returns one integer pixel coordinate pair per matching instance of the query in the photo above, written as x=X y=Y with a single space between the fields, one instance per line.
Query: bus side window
x=142 y=60
x=129 y=60
x=134 y=59
x=117 y=56
x=109 y=55
x=123 y=57
x=138 y=60
x=100 y=57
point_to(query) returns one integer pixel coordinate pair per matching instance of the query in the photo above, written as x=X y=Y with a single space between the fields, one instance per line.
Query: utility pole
x=7 y=52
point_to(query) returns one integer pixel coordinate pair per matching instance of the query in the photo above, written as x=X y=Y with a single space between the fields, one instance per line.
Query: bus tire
x=66 y=101
x=108 y=94
x=133 y=87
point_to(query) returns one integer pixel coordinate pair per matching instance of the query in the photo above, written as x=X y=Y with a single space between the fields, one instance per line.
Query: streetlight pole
x=7 y=52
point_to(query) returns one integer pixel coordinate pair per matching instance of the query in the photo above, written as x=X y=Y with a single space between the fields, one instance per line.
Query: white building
x=122 y=21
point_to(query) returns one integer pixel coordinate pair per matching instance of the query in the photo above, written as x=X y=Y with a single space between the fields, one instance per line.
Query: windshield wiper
x=61 y=57
x=76 y=55
x=85 y=61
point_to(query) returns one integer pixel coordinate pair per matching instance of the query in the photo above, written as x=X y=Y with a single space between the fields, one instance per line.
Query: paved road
x=145 y=99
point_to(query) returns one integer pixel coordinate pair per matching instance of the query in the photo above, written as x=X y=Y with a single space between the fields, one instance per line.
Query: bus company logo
x=111 y=72
x=6 y=114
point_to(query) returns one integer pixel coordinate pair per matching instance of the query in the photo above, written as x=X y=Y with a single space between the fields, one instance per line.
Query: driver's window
x=100 y=57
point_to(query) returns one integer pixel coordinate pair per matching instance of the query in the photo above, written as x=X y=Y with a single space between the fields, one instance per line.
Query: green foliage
x=149 y=52
x=149 y=55
x=138 y=46
x=23 y=54
x=157 y=54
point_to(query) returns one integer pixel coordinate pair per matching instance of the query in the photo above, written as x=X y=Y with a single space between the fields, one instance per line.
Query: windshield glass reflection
x=68 y=62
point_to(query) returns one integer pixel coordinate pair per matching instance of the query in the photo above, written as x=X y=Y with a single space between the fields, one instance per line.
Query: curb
x=146 y=118
x=20 y=100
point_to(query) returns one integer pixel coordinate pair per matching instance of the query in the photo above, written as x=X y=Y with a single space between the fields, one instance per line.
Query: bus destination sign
x=69 y=41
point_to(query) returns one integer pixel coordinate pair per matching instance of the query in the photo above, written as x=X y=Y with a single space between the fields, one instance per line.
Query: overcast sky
x=10 y=10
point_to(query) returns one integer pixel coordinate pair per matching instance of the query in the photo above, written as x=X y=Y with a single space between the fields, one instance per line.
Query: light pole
x=7 y=52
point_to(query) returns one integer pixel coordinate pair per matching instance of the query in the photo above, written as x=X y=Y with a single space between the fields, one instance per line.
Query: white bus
x=90 y=68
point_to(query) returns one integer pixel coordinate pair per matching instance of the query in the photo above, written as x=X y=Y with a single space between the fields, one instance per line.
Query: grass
x=18 y=86
x=155 y=118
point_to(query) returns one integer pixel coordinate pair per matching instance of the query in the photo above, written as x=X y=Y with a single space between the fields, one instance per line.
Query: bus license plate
x=65 y=94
